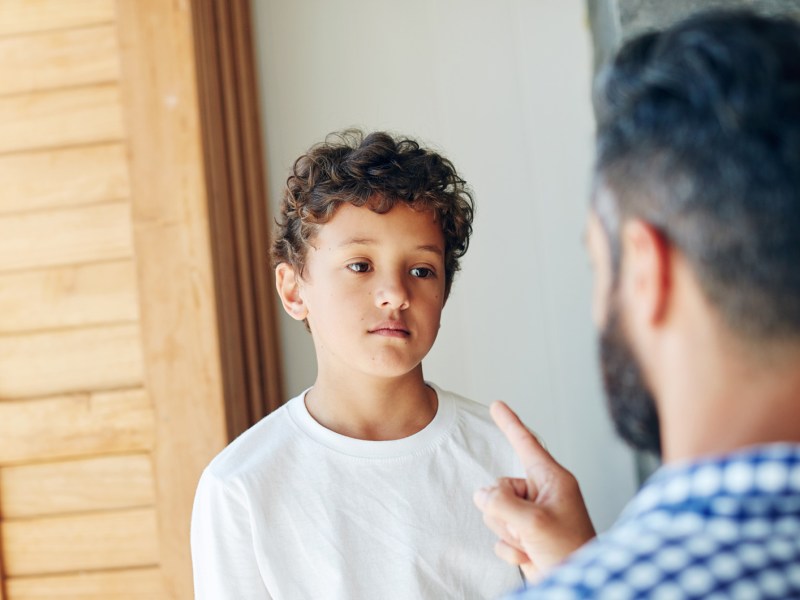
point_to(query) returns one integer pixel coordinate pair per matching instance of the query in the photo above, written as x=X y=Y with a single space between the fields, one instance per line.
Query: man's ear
x=646 y=266
x=288 y=284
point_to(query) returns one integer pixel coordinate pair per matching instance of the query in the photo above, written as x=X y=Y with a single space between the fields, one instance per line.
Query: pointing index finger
x=528 y=449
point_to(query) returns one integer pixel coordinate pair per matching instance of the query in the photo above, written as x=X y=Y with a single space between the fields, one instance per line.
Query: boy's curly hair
x=377 y=171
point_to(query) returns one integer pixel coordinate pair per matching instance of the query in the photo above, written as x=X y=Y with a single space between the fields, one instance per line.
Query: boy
x=339 y=493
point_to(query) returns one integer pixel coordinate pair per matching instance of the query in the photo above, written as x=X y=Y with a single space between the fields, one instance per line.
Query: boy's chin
x=392 y=369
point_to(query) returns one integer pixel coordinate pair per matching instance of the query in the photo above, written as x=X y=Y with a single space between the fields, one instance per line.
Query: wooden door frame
x=2 y=578
x=240 y=231
x=200 y=230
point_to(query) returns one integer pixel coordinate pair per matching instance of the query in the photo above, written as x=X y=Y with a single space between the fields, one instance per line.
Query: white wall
x=503 y=89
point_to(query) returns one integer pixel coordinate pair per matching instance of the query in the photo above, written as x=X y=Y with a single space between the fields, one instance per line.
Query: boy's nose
x=392 y=293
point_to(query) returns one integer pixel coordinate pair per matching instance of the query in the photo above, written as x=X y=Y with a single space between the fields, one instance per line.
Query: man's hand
x=541 y=519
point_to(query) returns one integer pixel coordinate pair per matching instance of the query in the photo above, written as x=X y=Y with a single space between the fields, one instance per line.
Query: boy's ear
x=288 y=284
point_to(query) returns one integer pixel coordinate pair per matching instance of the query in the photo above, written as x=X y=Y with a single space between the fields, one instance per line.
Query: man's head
x=378 y=171
x=698 y=147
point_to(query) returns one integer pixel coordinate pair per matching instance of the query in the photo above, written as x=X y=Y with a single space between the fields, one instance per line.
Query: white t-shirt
x=291 y=510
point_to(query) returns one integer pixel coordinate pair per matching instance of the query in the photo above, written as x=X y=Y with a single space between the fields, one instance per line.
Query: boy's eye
x=358 y=267
x=422 y=272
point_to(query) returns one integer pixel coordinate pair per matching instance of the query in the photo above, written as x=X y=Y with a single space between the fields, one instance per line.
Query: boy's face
x=373 y=290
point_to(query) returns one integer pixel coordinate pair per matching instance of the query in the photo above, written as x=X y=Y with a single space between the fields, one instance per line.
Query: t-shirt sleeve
x=223 y=556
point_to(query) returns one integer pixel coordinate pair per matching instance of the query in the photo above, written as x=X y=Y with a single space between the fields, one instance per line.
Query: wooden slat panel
x=103 y=483
x=68 y=296
x=130 y=584
x=64 y=177
x=66 y=117
x=59 y=362
x=100 y=232
x=58 y=59
x=104 y=540
x=76 y=425
x=24 y=16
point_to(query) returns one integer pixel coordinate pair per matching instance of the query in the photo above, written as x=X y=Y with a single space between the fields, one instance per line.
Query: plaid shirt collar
x=756 y=481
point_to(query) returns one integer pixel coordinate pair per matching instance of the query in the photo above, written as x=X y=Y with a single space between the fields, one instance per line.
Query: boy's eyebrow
x=368 y=241
x=357 y=242
x=431 y=248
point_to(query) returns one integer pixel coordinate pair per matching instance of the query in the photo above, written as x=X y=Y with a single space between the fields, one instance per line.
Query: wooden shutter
x=137 y=333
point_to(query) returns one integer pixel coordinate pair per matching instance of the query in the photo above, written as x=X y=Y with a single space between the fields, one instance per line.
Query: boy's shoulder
x=471 y=407
x=269 y=438
x=480 y=437
x=469 y=411
x=473 y=417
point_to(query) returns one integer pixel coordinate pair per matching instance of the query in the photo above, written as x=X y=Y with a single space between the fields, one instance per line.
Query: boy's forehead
x=360 y=225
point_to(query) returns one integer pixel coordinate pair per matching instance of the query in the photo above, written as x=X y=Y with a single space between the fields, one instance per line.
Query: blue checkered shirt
x=719 y=528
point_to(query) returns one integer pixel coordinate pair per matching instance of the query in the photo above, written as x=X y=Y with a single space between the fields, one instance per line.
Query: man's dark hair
x=378 y=171
x=699 y=135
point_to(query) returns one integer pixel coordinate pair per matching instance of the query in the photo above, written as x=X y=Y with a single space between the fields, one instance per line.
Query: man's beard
x=632 y=406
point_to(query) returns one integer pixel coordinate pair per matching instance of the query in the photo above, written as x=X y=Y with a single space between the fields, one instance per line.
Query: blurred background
x=144 y=145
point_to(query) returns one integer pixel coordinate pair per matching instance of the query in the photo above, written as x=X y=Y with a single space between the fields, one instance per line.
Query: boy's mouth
x=391 y=329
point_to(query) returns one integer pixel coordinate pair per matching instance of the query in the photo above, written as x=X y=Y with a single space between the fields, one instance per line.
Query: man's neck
x=722 y=396
x=372 y=408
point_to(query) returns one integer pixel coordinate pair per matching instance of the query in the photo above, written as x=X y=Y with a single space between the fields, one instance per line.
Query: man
x=694 y=234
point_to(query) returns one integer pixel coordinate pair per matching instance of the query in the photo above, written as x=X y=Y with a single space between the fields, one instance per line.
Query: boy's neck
x=372 y=408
